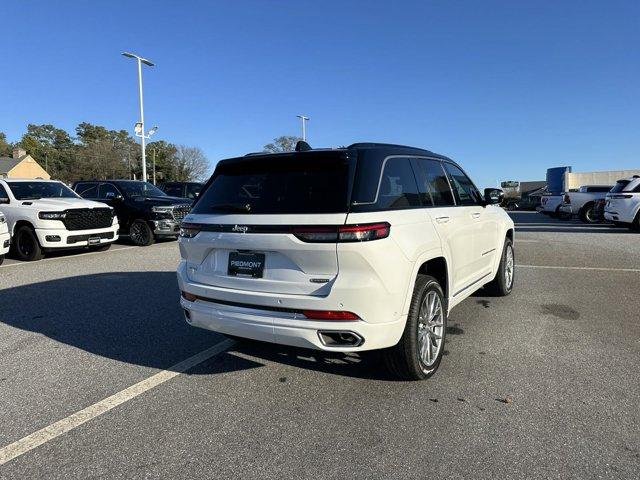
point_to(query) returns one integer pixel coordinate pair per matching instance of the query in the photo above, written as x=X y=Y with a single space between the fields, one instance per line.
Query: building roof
x=7 y=163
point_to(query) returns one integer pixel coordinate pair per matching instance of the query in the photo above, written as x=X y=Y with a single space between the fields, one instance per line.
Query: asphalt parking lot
x=544 y=383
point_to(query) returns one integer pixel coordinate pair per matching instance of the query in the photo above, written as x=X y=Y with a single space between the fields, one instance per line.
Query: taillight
x=343 y=233
x=189 y=230
x=329 y=315
x=567 y=199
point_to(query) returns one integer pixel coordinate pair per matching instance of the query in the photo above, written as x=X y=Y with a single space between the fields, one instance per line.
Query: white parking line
x=51 y=259
x=603 y=269
x=56 y=429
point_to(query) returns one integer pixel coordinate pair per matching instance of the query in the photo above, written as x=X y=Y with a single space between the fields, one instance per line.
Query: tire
x=26 y=246
x=419 y=352
x=1 y=259
x=586 y=214
x=502 y=284
x=635 y=226
x=140 y=233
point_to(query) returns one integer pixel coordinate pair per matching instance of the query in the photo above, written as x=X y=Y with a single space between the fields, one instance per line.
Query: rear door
x=257 y=217
x=453 y=222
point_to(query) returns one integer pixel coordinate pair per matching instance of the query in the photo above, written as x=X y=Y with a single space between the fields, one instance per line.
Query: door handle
x=442 y=219
x=475 y=215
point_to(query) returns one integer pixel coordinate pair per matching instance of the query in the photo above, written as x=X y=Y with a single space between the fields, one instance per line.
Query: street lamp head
x=152 y=131
x=137 y=57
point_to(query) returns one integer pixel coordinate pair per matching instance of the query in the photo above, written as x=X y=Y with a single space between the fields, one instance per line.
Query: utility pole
x=303 y=119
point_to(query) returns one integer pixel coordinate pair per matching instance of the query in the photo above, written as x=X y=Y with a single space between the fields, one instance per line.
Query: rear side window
x=432 y=183
x=193 y=191
x=87 y=190
x=619 y=186
x=3 y=192
x=173 y=190
x=107 y=190
x=463 y=188
x=300 y=183
x=398 y=188
x=598 y=189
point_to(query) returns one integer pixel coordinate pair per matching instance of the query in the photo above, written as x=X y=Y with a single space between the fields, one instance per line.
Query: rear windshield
x=619 y=186
x=305 y=183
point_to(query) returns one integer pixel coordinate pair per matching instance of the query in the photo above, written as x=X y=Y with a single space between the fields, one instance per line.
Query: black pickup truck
x=144 y=211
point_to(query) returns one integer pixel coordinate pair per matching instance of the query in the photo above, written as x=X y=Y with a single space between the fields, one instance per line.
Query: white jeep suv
x=622 y=205
x=353 y=249
x=45 y=215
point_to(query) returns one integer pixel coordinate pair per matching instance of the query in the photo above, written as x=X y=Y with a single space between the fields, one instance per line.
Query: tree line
x=95 y=152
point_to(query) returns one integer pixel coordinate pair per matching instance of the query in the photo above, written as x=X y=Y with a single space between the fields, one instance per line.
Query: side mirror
x=4 y=200
x=493 y=196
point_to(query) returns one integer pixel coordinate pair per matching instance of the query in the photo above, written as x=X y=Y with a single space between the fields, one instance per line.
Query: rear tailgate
x=291 y=266
x=248 y=217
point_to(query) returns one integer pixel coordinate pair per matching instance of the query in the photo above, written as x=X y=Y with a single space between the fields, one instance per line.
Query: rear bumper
x=287 y=328
x=5 y=242
x=566 y=209
x=51 y=238
x=269 y=317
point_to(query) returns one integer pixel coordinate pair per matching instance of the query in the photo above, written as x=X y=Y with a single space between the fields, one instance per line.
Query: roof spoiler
x=302 y=146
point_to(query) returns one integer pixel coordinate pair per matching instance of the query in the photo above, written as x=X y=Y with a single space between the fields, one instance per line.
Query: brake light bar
x=329 y=315
x=343 y=233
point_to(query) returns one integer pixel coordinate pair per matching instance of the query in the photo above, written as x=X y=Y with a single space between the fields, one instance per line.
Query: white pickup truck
x=45 y=215
x=582 y=202
x=549 y=205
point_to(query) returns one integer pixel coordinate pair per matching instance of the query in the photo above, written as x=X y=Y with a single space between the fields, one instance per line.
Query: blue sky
x=507 y=88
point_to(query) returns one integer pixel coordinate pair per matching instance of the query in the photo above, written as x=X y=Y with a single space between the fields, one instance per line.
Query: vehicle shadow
x=131 y=317
x=135 y=318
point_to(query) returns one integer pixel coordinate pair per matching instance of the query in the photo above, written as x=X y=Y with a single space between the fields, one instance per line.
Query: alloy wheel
x=509 y=267
x=139 y=233
x=430 y=329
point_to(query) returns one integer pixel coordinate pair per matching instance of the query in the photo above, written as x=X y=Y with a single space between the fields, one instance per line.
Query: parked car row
x=39 y=216
x=619 y=203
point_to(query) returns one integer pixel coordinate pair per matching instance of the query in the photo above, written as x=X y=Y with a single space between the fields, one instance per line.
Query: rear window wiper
x=231 y=207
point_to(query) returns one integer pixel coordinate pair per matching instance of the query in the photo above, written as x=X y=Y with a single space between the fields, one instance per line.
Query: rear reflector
x=329 y=315
x=342 y=233
x=189 y=297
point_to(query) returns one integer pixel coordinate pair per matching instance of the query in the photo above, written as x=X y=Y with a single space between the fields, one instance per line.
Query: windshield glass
x=36 y=190
x=135 y=188
x=619 y=186
x=309 y=183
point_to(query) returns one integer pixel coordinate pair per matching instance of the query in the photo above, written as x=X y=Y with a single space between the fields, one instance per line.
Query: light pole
x=138 y=128
x=303 y=119
x=140 y=61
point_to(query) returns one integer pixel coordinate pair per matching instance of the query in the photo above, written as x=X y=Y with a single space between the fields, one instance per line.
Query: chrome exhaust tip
x=340 y=338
